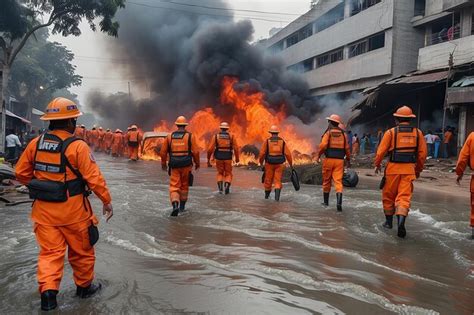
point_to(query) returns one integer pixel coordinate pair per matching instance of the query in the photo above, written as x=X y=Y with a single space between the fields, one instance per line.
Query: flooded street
x=241 y=254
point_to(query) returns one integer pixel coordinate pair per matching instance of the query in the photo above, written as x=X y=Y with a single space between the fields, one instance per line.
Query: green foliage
x=40 y=69
x=15 y=19
x=67 y=14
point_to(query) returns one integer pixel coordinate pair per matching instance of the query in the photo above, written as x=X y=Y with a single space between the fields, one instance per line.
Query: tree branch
x=23 y=41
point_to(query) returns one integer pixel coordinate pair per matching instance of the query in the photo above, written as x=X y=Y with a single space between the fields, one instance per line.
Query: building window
x=292 y=40
x=377 y=41
x=330 y=57
x=472 y=22
x=366 y=45
x=445 y=29
x=276 y=48
x=332 y=17
x=420 y=6
x=305 y=32
x=303 y=66
x=361 y=5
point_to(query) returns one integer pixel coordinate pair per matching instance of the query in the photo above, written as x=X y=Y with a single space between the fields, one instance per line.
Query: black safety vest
x=278 y=158
x=180 y=158
x=223 y=153
x=404 y=154
x=56 y=191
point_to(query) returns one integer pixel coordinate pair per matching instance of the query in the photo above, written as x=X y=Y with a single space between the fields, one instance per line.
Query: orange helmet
x=335 y=118
x=181 y=121
x=224 y=125
x=100 y=128
x=118 y=130
x=274 y=129
x=404 y=112
x=61 y=108
x=134 y=127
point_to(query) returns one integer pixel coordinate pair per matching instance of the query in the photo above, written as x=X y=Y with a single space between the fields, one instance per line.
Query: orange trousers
x=333 y=171
x=397 y=193
x=179 y=183
x=133 y=153
x=273 y=175
x=472 y=201
x=224 y=171
x=53 y=242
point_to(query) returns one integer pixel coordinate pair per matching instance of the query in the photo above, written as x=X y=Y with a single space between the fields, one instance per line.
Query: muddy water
x=241 y=254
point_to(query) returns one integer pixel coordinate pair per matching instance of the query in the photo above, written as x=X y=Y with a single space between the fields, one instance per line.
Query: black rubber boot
x=402 y=232
x=267 y=194
x=277 y=194
x=227 y=188
x=339 y=201
x=388 y=222
x=89 y=291
x=182 y=206
x=48 y=300
x=220 y=185
x=326 y=199
x=175 y=211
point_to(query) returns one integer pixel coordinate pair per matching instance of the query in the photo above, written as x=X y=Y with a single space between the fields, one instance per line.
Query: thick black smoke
x=183 y=56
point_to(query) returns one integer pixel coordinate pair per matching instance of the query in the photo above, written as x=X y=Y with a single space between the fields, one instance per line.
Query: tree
x=20 y=20
x=39 y=70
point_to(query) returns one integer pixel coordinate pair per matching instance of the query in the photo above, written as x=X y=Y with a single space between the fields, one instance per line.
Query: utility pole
x=451 y=64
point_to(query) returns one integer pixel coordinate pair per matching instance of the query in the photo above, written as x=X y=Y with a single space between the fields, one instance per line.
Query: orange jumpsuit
x=224 y=146
x=124 y=147
x=399 y=177
x=466 y=157
x=274 y=147
x=61 y=226
x=108 y=141
x=133 y=139
x=100 y=141
x=179 y=176
x=335 y=147
x=93 y=139
x=117 y=143
x=80 y=133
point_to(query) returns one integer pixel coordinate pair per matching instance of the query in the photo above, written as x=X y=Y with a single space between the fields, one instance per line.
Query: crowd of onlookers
x=439 y=145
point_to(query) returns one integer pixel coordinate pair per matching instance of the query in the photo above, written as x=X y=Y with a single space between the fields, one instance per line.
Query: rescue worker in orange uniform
x=100 y=140
x=180 y=151
x=108 y=140
x=80 y=132
x=117 y=143
x=133 y=140
x=466 y=157
x=59 y=170
x=335 y=147
x=125 y=144
x=223 y=147
x=93 y=138
x=406 y=147
x=274 y=153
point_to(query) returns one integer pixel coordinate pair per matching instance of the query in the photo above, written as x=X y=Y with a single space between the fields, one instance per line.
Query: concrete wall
x=437 y=56
x=323 y=7
x=433 y=7
x=406 y=40
x=375 y=63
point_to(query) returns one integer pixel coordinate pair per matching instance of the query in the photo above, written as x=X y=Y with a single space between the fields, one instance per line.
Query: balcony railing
x=445 y=35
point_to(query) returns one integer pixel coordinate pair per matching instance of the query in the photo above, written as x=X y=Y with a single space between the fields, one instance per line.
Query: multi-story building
x=349 y=45
x=448 y=26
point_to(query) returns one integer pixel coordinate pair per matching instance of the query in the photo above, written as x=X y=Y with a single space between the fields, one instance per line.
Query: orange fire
x=249 y=122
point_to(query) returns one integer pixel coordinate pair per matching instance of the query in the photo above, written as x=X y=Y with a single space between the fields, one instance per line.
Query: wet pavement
x=241 y=254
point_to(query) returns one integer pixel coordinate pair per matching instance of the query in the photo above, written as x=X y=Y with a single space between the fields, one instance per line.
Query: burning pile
x=250 y=119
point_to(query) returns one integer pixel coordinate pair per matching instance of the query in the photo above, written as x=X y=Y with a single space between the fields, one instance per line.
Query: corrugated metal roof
x=420 y=78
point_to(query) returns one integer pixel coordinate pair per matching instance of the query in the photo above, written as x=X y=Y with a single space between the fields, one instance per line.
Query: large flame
x=249 y=121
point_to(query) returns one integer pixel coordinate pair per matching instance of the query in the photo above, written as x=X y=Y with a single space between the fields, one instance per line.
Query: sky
x=96 y=67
